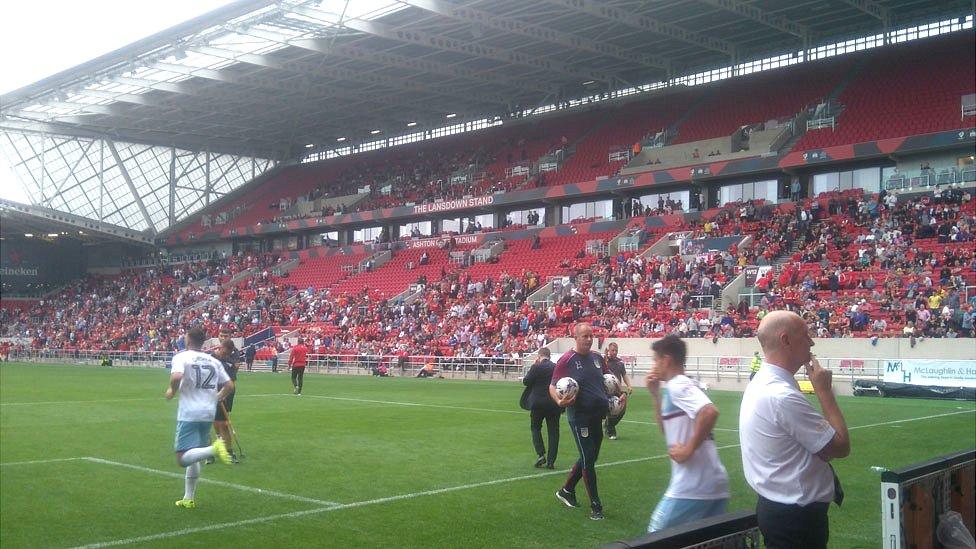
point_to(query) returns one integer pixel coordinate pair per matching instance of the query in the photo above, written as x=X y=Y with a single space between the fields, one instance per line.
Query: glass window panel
x=868 y=179
x=825 y=182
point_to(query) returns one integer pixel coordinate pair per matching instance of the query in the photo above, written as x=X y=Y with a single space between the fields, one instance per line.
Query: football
x=611 y=384
x=567 y=387
x=617 y=406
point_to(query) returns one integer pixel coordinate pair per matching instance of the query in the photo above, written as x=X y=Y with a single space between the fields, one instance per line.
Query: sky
x=39 y=38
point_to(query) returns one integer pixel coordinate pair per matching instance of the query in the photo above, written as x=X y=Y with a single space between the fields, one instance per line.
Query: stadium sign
x=931 y=373
x=459 y=204
x=18 y=271
x=442 y=242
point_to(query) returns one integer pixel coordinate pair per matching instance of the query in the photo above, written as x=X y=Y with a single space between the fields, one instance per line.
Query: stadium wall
x=28 y=261
x=829 y=350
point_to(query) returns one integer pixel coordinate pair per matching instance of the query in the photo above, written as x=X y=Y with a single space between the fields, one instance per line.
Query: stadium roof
x=21 y=220
x=261 y=79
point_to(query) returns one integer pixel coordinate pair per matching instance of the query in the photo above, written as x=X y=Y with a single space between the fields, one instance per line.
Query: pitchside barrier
x=704 y=368
x=918 y=502
x=729 y=531
x=862 y=375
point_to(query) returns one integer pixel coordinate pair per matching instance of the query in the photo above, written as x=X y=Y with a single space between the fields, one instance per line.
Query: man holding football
x=587 y=408
x=619 y=370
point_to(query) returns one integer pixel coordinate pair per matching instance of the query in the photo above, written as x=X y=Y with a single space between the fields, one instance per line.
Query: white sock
x=192 y=474
x=196 y=454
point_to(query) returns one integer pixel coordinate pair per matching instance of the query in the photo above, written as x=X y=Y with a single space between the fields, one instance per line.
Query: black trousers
x=612 y=422
x=786 y=526
x=297 y=376
x=588 y=435
x=552 y=428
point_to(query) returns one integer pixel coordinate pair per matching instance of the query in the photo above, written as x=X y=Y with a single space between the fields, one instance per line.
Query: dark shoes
x=567 y=498
x=596 y=513
x=540 y=462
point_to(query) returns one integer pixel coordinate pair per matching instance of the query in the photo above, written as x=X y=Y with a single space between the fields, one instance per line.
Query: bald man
x=785 y=443
x=586 y=412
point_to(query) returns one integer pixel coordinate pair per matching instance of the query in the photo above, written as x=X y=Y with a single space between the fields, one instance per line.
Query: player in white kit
x=699 y=485
x=196 y=376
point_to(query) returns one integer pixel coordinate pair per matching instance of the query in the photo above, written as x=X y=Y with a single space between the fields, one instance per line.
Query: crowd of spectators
x=853 y=265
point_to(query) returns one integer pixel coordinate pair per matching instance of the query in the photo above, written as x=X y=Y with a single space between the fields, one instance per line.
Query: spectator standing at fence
x=586 y=412
x=699 y=486
x=297 y=360
x=249 y=353
x=786 y=444
x=619 y=370
x=542 y=407
x=754 y=365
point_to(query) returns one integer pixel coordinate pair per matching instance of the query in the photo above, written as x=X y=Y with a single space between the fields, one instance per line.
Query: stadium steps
x=851 y=75
x=675 y=126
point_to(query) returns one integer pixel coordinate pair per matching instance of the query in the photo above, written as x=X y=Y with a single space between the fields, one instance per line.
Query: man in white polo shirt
x=699 y=485
x=785 y=443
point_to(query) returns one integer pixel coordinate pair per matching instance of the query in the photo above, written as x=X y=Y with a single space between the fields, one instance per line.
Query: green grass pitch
x=368 y=462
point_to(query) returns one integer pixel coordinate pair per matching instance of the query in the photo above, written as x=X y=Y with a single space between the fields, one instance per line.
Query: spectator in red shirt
x=297 y=361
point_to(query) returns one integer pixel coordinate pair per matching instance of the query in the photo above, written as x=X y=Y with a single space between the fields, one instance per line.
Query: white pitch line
x=295 y=514
x=444 y=406
x=213 y=481
x=398 y=403
x=40 y=461
x=911 y=419
x=77 y=401
x=423 y=405
x=212 y=527
x=160 y=398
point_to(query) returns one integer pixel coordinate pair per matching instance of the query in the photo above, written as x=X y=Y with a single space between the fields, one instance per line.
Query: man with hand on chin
x=699 y=486
x=786 y=444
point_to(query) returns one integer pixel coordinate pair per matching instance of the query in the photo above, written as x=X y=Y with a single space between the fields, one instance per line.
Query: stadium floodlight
x=340 y=139
x=28 y=235
x=452 y=115
x=411 y=124
x=309 y=145
x=374 y=132
x=53 y=235
x=588 y=82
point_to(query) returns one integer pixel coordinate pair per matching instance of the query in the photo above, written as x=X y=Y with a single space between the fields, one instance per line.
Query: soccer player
x=227 y=354
x=195 y=376
x=699 y=486
x=586 y=412
x=296 y=362
x=619 y=370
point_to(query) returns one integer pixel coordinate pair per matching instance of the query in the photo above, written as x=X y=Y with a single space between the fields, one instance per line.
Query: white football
x=567 y=387
x=611 y=384
x=617 y=406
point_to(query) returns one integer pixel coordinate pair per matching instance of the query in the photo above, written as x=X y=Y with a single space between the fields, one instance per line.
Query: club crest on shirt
x=584 y=432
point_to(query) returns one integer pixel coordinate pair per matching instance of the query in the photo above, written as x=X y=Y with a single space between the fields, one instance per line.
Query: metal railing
x=817 y=123
x=737 y=368
x=704 y=368
x=930 y=178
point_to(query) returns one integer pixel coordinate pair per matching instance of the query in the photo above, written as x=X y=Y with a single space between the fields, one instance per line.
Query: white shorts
x=675 y=511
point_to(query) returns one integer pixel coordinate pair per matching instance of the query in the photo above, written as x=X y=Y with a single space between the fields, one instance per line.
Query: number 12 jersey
x=202 y=375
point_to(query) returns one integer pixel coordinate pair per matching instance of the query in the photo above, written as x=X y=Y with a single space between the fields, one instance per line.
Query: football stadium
x=318 y=271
